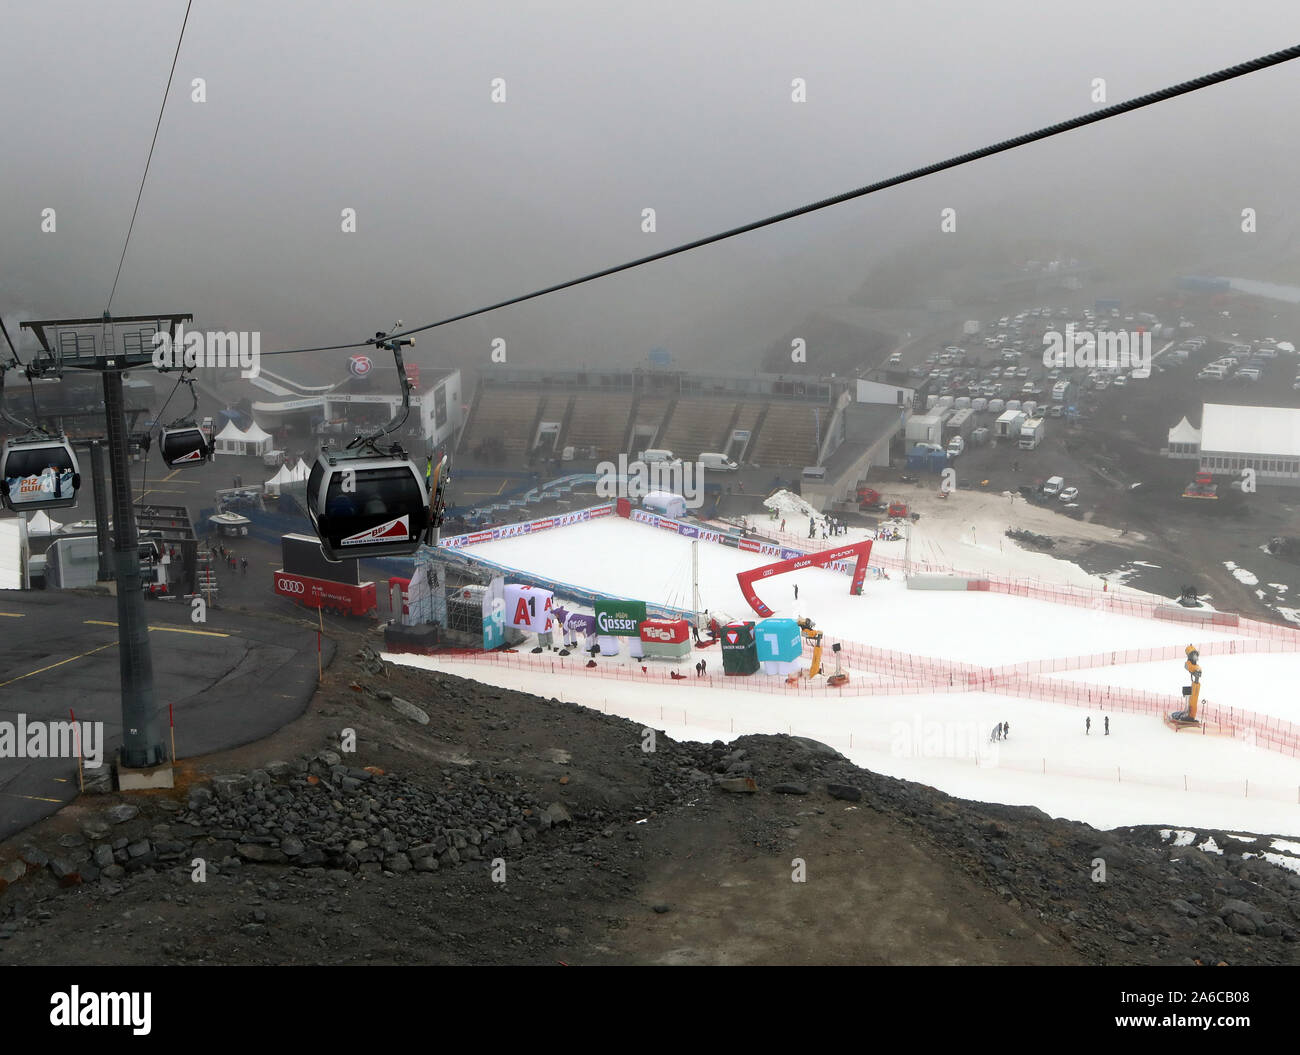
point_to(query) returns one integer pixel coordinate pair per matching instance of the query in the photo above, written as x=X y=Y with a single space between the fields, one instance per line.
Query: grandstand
x=698 y=425
x=788 y=435
x=597 y=421
x=763 y=419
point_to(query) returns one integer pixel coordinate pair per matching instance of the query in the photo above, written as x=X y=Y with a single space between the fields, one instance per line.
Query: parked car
x=1069 y=494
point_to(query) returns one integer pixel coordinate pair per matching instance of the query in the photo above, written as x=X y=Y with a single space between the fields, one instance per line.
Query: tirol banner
x=620 y=618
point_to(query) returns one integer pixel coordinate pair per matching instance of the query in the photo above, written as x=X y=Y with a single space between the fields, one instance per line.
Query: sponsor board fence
x=527 y=527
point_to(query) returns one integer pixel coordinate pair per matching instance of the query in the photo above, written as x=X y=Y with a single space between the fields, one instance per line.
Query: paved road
x=231 y=681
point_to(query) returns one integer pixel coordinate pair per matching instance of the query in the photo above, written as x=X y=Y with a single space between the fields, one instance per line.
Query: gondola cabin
x=39 y=474
x=368 y=505
x=184 y=447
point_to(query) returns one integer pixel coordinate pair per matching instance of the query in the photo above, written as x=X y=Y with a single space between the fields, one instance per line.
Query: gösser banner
x=620 y=618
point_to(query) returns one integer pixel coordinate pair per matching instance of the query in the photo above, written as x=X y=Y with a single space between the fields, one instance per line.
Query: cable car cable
x=1150 y=99
x=1048 y=132
x=154 y=143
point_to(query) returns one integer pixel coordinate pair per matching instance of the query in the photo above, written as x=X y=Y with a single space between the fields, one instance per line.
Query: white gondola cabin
x=39 y=474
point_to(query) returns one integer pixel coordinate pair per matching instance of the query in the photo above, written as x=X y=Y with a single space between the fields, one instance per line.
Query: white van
x=715 y=460
x=650 y=457
x=1054 y=485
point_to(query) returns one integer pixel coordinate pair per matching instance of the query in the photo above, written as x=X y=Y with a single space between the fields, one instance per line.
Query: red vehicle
x=898 y=509
x=336 y=598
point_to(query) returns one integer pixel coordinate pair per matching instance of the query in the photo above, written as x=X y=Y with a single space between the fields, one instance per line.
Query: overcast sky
x=314 y=106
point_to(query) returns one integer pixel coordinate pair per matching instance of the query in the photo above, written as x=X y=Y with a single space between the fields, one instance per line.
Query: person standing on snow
x=1006 y=729
x=796 y=591
x=1108 y=725
x=1087 y=726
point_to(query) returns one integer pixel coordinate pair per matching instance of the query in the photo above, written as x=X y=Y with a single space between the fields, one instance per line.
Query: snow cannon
x=1187 y=717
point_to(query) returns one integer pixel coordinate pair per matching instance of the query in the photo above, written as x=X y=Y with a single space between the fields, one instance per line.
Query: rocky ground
x=478 y=825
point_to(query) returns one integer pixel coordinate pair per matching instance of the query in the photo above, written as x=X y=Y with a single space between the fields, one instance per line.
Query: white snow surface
x=1141 y=774
x=1251 y=681
x=1243 y=576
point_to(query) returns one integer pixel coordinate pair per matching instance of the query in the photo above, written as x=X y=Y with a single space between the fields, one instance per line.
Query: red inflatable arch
x=862 y=550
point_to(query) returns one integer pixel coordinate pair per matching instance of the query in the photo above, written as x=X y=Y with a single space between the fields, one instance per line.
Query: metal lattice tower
x=91 y=344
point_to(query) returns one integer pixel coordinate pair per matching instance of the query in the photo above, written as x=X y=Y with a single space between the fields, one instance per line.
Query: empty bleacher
x=788 y=436
x=599 y=422
x=506 y=414
x=698 y=425
x=650 y=413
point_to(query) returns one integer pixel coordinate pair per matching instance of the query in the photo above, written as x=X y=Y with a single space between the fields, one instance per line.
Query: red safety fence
x=690 y=711
x=1159 y=654
x=1117 y=599
x=1260 y=730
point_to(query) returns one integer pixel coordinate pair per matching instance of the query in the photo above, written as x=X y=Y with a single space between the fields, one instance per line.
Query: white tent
x=230 y=440
x=1184 y=440
x=286 y=475
x=42 y=524
x=257 y=440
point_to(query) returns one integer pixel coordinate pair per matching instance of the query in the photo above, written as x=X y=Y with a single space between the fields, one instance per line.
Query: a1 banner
x=528 y=608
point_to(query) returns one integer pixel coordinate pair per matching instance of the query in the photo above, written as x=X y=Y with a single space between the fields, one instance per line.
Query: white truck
x=1031 y=433
x=1008 y=425
x=924 y=429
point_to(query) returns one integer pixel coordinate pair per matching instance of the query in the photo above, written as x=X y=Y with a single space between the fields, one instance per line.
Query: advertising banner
x=619 y=618
x=494 y=614
x=512 y=530
x=665 y=631
x=738 y=653
x=778 y=640
x=528 y=608
x=50 y=485
x=439 y=406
